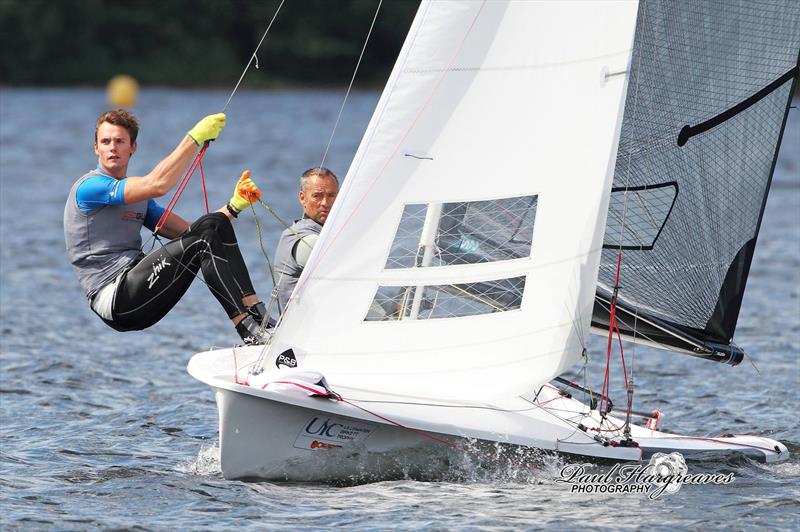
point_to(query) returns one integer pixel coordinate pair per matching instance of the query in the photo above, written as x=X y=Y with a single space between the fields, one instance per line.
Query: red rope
x=550 y=400
x=612 y=324
x=203 y=183
x=182 y=186
x=410 y=429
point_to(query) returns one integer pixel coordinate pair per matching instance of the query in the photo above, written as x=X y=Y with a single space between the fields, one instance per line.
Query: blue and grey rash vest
x=102 y=233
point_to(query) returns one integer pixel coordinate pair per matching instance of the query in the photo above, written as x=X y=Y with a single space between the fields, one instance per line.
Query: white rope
x=253 y=57
x=349 y=87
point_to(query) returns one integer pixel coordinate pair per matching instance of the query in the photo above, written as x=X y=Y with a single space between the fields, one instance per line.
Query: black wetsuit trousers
x=149 y=290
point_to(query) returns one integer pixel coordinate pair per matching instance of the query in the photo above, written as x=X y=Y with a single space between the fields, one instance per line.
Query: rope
x=181 y=187
x=449 y=443
x=380 y=172
x=203 y=183
x=261 y=244
x=612 y=312
x=349 y=87
x=281 y=221
x=611 y=325
x=197 y=162
x=424 y=434
x=253 y=57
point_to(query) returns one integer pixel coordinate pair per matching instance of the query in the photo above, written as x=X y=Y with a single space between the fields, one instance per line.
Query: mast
x=427 y=244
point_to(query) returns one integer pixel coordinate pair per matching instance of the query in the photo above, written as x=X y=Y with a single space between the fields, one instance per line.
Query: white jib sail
x=502 y=117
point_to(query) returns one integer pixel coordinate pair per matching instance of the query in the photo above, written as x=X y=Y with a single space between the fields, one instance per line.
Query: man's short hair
x=317 y=171
x=119 y=117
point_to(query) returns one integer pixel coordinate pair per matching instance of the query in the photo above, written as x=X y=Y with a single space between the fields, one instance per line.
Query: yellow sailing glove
x=245 y=193
x=207 y=129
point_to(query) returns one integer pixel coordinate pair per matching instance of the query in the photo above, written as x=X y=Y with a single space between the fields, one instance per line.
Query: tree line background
x=198 y=42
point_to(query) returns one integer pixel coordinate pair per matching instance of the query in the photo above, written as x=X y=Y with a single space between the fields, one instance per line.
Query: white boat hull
x=291 y=435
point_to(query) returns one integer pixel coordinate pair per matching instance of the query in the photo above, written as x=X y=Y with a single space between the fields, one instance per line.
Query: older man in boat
x=318 y=189
x=103 y=217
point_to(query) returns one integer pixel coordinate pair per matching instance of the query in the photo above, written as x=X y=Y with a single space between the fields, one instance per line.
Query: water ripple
x=104 y=430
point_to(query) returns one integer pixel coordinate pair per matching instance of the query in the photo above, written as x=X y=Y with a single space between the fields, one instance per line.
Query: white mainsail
x=490 y=104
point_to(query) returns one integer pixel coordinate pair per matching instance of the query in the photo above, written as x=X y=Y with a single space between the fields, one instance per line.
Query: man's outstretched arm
x=166 y=173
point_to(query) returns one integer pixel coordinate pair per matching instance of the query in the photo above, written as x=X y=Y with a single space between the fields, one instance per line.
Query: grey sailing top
x=101 y=232
x=287 y=270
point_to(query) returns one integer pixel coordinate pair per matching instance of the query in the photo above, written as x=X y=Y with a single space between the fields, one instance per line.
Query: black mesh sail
x=709 y=88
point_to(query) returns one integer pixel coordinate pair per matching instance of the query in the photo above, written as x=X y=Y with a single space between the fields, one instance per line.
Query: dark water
x=106 y=430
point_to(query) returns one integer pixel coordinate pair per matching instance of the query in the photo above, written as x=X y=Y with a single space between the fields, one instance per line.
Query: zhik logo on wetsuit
x=287 y=359
x=157 y=267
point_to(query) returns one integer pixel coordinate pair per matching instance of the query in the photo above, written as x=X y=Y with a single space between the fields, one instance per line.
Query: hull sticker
x=328 y=432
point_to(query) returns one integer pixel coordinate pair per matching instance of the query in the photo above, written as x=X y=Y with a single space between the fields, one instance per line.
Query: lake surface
x=100 y=429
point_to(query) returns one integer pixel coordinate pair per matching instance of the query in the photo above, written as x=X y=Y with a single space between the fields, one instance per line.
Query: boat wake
x=207 y=462
x=476 y=462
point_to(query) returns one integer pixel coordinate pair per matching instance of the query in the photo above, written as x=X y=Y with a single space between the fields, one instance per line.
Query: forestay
x=460 y=259
x=688 y=201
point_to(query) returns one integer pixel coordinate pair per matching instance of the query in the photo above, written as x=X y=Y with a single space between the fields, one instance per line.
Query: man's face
x=318 y=197
x=113 y=149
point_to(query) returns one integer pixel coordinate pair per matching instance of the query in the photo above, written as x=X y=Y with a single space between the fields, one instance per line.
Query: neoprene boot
x=251 y=332
x=258 y=311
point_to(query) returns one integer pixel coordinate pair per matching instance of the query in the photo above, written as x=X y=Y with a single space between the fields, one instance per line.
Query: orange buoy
x=122 y=91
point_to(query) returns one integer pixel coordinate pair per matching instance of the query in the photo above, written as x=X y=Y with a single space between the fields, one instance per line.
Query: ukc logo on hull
x=327 y=432
x=324 y=428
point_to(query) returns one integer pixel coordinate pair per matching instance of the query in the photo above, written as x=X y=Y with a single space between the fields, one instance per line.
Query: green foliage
x=197 y=42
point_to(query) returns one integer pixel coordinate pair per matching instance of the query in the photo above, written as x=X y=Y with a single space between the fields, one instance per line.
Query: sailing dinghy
x=522 y=164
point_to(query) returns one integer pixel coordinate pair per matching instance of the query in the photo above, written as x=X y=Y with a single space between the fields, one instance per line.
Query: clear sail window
x=636 y=215
x=393 y=303
x=463 y=232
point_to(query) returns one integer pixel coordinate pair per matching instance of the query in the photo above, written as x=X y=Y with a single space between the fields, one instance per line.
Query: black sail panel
x=709 y=90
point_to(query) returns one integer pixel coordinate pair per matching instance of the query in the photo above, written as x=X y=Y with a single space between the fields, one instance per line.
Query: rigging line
x=660 y=345
x=612 y=312
x=276 y=285
x=332 y=239
x=567 y=421
x=458 y=406
x=752 y=363
x=203 y=182
x=349 y=87
x=476 y=297
x=281 y=221
x=633 y=117
x=576 y=321
x=261 y=244
x=411 y=429
x=469 y=450
x=184 y=181
x=247 y=67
